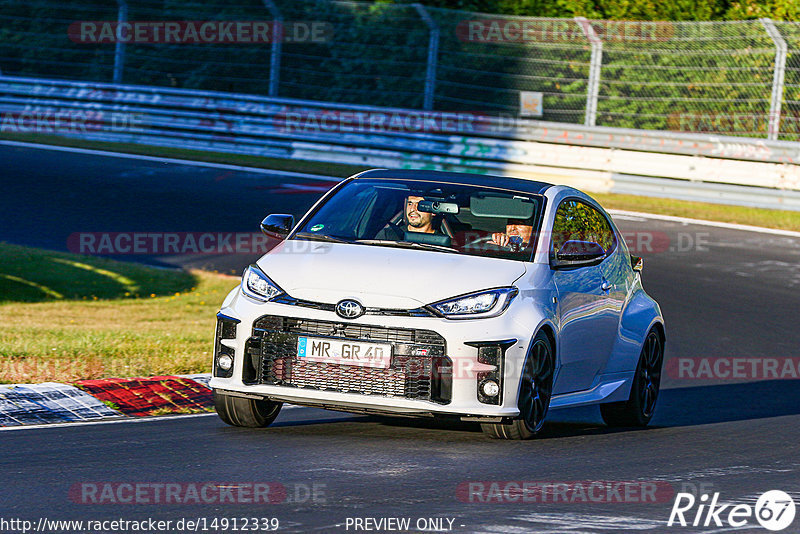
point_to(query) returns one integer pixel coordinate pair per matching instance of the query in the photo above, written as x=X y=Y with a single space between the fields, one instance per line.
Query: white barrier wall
x=706 y=168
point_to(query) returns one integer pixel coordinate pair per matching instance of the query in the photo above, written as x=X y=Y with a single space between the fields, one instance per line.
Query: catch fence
x=738 y=78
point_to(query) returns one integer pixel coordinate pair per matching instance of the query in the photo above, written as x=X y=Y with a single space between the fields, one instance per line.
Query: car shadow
x=697 y=405
x=677 y=407
x=701 y=405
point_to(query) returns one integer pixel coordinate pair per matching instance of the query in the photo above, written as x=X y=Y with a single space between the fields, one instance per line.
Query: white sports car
x=421 y=293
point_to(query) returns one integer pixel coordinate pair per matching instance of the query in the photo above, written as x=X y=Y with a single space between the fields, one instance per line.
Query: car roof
x=465 y=178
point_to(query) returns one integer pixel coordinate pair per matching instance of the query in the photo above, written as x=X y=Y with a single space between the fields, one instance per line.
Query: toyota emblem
x=349 y=309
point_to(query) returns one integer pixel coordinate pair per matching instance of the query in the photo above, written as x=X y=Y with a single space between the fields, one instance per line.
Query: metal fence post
x=777 y=79
x=119 y=50
x=595 y=64
x=433 y=56
x=275 y=52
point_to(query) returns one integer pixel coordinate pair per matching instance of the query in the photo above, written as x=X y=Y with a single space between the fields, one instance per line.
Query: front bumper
x=264 y=343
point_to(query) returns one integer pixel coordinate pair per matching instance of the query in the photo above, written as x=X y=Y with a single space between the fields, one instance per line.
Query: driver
x=418 y=221
x=516 y=237
x=415 y=221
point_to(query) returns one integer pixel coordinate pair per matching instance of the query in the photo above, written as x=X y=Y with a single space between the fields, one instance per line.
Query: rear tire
x=535 y=391
x=638 y=410
x=239 y=411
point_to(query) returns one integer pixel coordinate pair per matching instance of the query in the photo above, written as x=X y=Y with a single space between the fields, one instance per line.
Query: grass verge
x=780 y=219
x=68 y=317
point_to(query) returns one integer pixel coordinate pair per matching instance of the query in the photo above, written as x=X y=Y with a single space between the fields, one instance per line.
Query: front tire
x=638 y=410
x=535 y=391
x=239 y=411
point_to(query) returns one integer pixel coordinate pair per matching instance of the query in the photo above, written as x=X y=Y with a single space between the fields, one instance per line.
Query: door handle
x=606 y=285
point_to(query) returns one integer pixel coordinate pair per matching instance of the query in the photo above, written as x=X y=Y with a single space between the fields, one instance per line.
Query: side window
x=578 y=221
x=566 y=225
x=598 y=228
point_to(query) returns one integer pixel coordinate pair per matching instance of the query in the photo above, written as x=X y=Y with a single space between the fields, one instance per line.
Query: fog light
x=490 y=388
x=225 y=362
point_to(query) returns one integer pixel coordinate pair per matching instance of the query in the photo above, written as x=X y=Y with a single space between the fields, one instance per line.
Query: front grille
x=420 y=368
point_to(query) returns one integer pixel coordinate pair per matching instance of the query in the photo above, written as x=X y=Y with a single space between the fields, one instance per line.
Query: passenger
x=516 y=237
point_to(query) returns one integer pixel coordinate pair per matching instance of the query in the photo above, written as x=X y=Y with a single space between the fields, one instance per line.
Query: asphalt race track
x=724 y=294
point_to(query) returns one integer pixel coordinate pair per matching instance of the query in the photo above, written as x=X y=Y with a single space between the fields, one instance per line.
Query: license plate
x=344 y=352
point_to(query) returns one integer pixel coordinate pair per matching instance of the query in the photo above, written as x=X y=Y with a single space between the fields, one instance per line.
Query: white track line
x=256 y=170
x=687 y=220
x=122 y=419
x=105 y=421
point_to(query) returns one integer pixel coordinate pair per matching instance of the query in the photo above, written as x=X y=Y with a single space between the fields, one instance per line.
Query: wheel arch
x=639 y=316
x=662 y=332
x=550 y=331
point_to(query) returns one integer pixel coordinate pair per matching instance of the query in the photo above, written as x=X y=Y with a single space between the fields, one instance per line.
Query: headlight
x=257 y=285
x=490 y=303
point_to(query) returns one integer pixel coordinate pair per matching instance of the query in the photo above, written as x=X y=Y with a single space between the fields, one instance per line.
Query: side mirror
x=637 y=263
x=277 y=225
x=575 y=254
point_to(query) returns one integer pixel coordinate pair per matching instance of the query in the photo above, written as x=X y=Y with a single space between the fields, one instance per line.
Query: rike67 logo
x=774 y=510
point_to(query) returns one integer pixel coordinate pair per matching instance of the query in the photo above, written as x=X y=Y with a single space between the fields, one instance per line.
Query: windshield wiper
x=406 y=244
x=321 y=237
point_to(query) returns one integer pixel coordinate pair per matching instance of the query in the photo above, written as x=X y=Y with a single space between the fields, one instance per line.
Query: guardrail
x=697 y=167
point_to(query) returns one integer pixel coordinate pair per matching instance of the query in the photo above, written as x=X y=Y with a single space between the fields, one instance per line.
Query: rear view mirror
x=277 y=226
x=434 y=206
x=575 y=253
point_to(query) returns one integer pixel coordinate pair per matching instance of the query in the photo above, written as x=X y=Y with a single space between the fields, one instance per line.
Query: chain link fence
x=736 y=78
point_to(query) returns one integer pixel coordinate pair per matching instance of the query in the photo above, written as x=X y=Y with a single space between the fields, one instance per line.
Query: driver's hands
x=500 y=239
x=514 y=242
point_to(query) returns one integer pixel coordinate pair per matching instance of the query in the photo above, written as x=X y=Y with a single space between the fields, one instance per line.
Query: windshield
x=441 y=217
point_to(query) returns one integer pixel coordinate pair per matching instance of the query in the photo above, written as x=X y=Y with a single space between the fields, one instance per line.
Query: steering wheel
x=483 y=239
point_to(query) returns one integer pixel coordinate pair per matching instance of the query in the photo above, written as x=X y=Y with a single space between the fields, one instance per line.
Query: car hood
x=381 y=277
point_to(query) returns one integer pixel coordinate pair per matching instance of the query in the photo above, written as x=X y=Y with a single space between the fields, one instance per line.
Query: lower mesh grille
x=419 y=369
x=389 y=382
